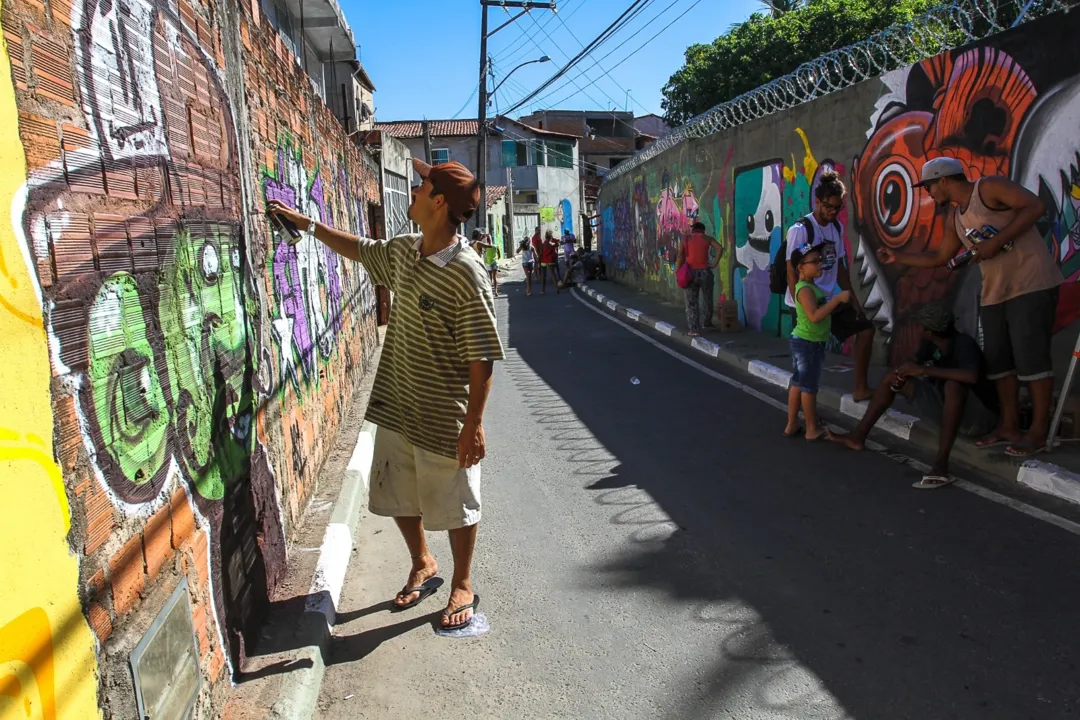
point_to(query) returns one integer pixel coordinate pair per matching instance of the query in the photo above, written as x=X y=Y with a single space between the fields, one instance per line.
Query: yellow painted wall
x=47 y=656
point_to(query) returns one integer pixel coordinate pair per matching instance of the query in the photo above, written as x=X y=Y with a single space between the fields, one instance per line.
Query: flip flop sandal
x=933 y=482
x=989 y=441
x=449 y=614
x=427 y=589
x=823 y=436
x=1023 y=449
x=797 y=433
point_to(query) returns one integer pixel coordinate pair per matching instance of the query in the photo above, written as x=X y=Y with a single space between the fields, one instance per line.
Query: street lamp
x=541 y=59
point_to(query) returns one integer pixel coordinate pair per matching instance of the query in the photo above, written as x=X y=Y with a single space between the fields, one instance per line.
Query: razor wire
x=940 y=29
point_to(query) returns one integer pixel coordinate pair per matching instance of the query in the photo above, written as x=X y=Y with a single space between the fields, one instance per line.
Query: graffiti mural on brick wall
x=640 y=230
x=309 y=279
x=47 y=662
x=159 y=313
x=768 y=199
x=135 y=231
x=998 y=116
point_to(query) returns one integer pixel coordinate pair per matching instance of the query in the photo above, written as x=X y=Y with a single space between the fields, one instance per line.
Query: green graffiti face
x=128 y=401
x=184 y=371
x=202 y=318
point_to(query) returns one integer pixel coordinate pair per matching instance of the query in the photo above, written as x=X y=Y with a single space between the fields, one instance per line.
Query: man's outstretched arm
x=341 y=242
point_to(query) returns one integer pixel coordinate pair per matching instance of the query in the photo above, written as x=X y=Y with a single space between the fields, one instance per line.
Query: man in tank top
x=994 y=218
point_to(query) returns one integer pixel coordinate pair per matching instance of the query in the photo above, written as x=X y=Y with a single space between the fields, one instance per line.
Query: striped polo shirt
x=443 y=318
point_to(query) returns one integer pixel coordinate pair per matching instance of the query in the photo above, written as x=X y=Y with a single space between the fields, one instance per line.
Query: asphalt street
x=659 y=550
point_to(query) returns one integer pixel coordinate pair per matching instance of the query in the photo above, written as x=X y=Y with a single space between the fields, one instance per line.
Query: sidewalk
x=769 y=358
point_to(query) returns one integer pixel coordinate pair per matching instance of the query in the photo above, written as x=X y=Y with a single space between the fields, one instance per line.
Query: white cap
x=940 y=167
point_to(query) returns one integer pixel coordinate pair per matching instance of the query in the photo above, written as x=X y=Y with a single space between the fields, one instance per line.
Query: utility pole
x=427 y=142
x=510 y=207
x=481 y=150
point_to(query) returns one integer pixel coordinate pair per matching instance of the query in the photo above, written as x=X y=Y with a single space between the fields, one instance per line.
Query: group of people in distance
x=950 y=379
x=540 y=258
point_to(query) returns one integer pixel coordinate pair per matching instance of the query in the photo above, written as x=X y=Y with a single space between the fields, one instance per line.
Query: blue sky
x=423 y=55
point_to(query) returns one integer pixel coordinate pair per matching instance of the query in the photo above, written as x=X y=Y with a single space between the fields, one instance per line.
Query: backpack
x=779 y=266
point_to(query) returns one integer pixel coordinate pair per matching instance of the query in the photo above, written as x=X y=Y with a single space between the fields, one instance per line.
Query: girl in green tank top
x=813 y=326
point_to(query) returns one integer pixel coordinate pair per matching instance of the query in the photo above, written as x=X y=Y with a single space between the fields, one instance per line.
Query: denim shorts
x=807 y=360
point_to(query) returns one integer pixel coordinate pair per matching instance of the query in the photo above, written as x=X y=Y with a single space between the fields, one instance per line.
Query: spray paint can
x=976 y=237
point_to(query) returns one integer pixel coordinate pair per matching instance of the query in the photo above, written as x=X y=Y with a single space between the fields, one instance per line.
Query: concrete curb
x=1043 y=477
x=300 y=687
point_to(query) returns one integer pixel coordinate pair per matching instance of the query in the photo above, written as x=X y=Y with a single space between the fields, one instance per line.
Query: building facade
x=605 y=138
x=534 y=170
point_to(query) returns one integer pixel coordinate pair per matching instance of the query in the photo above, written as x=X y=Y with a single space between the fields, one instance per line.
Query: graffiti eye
x=750 y=224
x=769 y=222
x=210 y=263
x=893 y=198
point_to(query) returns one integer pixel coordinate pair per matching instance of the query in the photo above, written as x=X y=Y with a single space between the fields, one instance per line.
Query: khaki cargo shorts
x=407 y=481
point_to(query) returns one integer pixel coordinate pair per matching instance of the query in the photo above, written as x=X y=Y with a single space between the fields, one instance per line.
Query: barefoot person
x=945 y=381
x=433 y=379
x=822 y=229
x=1019 y=289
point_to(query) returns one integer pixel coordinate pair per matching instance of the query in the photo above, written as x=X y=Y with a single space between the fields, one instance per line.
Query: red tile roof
x=404 y=129
x=495 y=193
x=439 y=128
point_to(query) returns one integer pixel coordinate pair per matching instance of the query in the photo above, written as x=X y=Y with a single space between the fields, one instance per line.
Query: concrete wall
x=175 y=374
x=1006 y=106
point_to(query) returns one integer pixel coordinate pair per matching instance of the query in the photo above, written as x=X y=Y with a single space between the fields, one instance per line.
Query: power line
x=577 y=58
x=596 y=62
x=642 y=46
x=515 y=54
x=574 y=81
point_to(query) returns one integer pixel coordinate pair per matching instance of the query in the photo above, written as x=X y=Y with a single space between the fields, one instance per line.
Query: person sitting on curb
x=946 y=382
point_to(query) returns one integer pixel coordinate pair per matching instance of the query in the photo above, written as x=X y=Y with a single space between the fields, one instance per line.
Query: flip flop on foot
x=933 y=482
x=1024 y=448
x=798 y=431
x=456 y=611
x=818 y=438
x=425 y=590
x=990 y=441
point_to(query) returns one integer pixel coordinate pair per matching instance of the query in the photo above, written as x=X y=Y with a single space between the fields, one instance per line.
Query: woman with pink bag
x=695 y=275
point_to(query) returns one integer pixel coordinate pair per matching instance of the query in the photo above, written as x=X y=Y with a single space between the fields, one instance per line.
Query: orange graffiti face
x=896 y=213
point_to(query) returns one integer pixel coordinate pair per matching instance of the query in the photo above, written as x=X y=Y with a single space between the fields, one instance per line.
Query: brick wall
x=200 y=365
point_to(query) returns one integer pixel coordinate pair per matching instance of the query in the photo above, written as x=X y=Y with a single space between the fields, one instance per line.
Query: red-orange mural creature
x=969 y=107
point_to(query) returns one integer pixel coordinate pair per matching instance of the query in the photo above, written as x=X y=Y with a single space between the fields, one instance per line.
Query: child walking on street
x=528 y=260
x=812 y=328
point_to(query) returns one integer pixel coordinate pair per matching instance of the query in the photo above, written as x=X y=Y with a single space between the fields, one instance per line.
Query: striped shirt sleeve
x=375 y=257
x=476 y=333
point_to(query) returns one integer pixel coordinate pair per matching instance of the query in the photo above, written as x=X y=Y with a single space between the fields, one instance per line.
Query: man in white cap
x=994 y=219
x=433 y=379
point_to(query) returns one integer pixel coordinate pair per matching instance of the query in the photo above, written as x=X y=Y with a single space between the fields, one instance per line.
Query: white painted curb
x=300 y=687
x=893 y=421
x=1050 y=479
x=769 y=373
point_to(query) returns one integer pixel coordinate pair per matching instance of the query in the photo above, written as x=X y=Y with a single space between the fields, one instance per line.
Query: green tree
x=769 y=46
x=779 y=7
